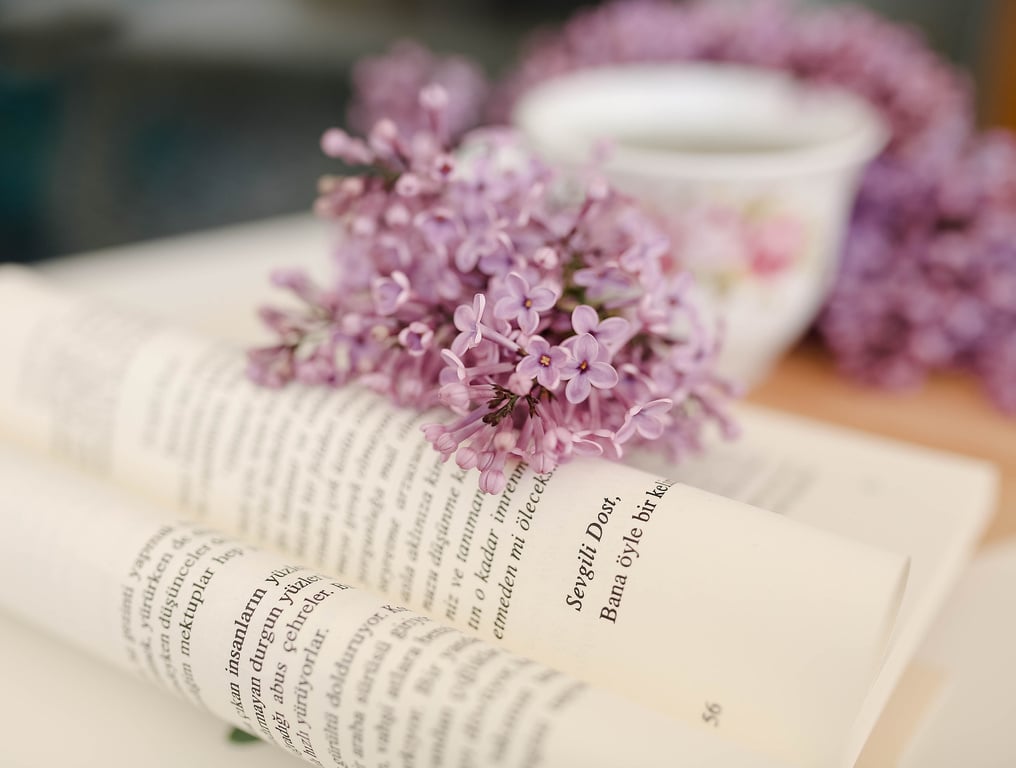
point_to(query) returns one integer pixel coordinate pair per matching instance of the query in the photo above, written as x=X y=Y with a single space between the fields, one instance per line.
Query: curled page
x=334 y=675
x=710 y=611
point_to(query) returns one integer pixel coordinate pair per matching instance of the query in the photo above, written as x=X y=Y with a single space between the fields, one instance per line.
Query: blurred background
x=123 y=120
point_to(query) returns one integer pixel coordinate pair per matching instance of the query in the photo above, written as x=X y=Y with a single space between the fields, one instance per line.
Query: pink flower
x=468 y=319
x=543 y=363
x=647 y=420
x=390 y=293
x=524 y=304
x=611 y=332
x=597 y=442
x=426 y=242
x=337 y=143
x=585 y=368
x=439 y=227
x=417 y=338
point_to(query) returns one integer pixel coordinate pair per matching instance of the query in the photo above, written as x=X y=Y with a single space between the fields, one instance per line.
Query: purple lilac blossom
x=586 y=368
x=462 y=287
x=524 y=304
x=543 y=363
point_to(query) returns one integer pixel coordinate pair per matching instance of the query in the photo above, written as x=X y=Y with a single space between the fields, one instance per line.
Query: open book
x=605 y=615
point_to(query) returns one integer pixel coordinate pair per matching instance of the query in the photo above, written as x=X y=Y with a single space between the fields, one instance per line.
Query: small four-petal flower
x=543 y=363
x=524 y=304
x=586 y=368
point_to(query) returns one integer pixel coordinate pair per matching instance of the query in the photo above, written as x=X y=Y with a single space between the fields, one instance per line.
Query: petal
x=453 y=360
x=558 y=356
x=569 y=370
x=529 y=367
x=611 y=330
x=649 y=428
x=549 y=377
x=465 y=318
x=602 y=376
x=479 y=304
x=586 y=348
x=584 y=319
x=657 y=408
x=493 y=481
x=466 y=457
x=506 y=307
x=454 y=395
x=539 y=346
x=587 y=448
x=448 y=284
x=632 y=257
x=529 y=320
x=516 y=285
x=461 y=343
x=542 y=298
x=577 y=390
x=466 y=256
x=626 y=431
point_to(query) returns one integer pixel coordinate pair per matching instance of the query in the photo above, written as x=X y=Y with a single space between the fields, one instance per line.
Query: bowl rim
x=853 y=147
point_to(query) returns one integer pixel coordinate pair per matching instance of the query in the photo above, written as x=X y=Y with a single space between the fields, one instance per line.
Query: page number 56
x=712 y=713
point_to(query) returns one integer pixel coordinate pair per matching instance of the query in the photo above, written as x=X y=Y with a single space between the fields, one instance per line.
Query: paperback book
x=301 y=564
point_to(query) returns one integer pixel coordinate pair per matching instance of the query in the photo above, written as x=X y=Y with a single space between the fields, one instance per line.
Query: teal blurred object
x=123 y=120
x=160 y=148
x=27 y=138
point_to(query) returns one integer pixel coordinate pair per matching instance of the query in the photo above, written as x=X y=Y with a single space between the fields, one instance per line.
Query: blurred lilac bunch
x=947 y=293
x=991 y=170
x=924 y=100
x=387 y=86
x=540 y=314
x=927 y=272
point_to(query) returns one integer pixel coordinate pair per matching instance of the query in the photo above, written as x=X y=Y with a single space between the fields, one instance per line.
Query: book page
x=972 y=642
x=928 y=505
x=331 y=674
x=647 y=587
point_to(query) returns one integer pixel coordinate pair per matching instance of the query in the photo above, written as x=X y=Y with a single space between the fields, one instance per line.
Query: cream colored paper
x=333 y=675
x=973 y=642
x=928 y=505
x=712 y=612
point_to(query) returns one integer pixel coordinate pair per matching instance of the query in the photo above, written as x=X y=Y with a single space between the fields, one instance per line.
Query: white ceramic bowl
x=715 y=149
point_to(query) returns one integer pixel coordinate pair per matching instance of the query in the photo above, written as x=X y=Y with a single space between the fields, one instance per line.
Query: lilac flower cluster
x=542 y=315
x=948 y=296
x=387 y=86
x=927 y=263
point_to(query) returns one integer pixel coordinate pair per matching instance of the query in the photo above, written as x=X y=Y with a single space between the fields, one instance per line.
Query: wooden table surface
x=949 y=412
